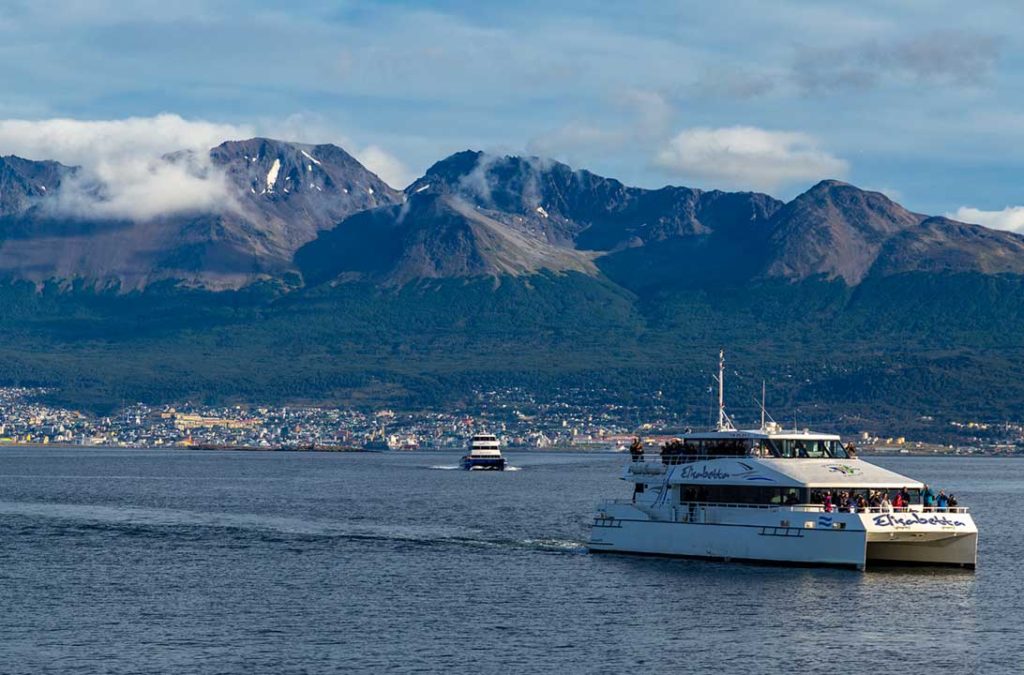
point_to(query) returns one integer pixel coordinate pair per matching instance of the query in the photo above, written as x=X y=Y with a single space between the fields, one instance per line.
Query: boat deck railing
x=673 y=460
x=805 y=508
x=915 y=508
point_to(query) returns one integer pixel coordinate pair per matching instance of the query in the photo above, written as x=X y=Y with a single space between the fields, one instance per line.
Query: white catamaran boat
x=788 y=497
x=484 y=453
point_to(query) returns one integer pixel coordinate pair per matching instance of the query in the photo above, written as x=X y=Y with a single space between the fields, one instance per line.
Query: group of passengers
x=854 y=502
x=851 y=501
x=939 y=502
x=674 y=451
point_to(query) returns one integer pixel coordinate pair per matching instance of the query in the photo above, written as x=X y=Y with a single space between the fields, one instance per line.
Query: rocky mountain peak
x=834 y=230
x=24 y=182
x=323 y=182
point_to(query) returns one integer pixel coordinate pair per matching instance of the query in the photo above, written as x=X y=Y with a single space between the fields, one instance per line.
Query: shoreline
x=356 y=450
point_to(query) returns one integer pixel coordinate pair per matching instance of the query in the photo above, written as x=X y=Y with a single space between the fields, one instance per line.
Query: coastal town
x=521 y=422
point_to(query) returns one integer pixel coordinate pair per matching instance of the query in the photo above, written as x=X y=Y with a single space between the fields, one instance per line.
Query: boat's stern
x=471 y=463
x=945 y=537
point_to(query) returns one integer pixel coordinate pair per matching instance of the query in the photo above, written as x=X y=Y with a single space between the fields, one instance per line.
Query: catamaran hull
x=478 y=464
x=731 y=542
x=795 y=539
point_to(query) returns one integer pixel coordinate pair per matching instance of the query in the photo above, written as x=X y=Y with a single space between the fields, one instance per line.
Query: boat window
x=801 y=448
x=836 y=449
x=742 y=494
x=778 y=447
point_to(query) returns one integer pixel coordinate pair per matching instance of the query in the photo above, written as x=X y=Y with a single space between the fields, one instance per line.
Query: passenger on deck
x=952 y=502
x=898 y=502
x=671 y=451
x=827 y=504
x=636 y=450
x=927 y=497
x=943 y=501
x=905 y=497
x=885 y=504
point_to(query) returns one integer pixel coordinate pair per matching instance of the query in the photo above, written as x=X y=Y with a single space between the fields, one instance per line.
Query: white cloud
x=84 y=142
x=124 y=171
x=747 y=157
x=137 y=188
x=388 y=167
x=1011 y=218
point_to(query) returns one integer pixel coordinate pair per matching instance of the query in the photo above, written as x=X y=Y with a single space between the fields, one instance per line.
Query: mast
x=762 y=405
x=721 y=391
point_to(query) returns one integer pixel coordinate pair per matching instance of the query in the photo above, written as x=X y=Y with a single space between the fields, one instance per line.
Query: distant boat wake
x=450 y=467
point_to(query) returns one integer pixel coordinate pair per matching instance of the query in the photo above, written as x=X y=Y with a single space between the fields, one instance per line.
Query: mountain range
x=499 y=269
x=316 y=211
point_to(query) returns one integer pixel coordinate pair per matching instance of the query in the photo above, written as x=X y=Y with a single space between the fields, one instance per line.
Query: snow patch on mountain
x=272 y=174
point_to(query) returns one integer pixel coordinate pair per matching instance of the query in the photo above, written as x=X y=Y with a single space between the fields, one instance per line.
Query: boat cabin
x=768 y=467
x=785 y=445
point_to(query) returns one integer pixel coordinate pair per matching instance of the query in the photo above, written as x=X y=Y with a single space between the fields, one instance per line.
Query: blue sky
x=921 y=100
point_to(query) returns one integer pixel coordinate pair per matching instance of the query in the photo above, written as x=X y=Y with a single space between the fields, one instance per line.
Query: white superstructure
x=792 y=497
x=484 y=445
x=484 y=453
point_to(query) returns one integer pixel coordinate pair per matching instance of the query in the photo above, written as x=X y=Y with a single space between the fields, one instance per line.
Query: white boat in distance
x=770 y=495
x=484 y=453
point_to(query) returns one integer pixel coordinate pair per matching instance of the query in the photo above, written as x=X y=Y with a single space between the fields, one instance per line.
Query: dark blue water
x=116 y=561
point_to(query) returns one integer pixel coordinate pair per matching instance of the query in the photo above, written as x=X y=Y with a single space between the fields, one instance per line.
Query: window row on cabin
x=766 y=447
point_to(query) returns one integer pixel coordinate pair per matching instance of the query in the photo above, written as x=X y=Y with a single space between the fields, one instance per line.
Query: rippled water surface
x=128 y=561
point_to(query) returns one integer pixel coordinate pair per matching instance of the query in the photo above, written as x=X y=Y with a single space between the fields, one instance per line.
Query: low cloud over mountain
x=141 y=168
x=1010 y=219
x=125 y=173
x=748 y=157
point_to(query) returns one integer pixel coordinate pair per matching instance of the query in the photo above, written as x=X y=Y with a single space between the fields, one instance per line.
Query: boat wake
x=84 y=519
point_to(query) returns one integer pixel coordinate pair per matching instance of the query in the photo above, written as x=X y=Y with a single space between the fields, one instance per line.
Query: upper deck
x=769 y=442
x=484 y=445
x=767 y=457
x=770 y=472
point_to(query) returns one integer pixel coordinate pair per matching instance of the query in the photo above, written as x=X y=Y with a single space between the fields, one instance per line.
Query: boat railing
x=805 y=508
x=915 y=508
x=673 y=460
x=685 y=505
